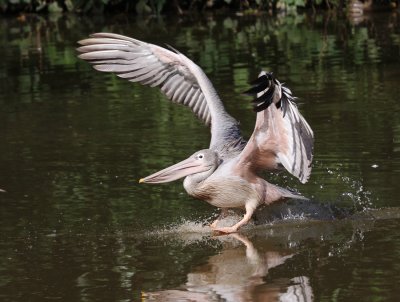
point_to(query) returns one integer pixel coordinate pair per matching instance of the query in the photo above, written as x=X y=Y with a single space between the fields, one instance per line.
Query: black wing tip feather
x=267 y=83
x=260 y=84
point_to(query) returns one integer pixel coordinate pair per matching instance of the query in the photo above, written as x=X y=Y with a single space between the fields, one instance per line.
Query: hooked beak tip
x=141 y=180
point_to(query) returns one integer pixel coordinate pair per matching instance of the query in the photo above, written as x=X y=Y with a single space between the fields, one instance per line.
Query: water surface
x=76 y=226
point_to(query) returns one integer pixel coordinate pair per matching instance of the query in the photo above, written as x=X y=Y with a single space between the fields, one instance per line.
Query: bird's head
x=203 y=163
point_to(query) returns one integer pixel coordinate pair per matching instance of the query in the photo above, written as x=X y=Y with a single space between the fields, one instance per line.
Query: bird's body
x=226 y=174
x=228 y=188
x=223 y=192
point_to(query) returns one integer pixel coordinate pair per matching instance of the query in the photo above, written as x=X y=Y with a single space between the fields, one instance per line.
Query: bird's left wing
x=147 y=64
x=180 y=79
x=281 y=136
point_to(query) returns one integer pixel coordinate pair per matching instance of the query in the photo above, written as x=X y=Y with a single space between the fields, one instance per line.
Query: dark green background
x=76 y=226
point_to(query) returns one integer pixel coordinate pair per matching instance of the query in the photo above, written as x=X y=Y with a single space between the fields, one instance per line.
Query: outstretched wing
x=181 y=80
x=281 y=134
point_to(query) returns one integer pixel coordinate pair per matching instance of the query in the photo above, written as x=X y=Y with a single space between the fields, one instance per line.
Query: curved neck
x=191 y=183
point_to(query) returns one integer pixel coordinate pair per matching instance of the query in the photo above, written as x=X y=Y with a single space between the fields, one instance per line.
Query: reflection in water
x=239 y=271
x=236 y=274
x=74 y=224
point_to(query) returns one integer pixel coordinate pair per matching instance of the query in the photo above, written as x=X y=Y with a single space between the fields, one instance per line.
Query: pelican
x=226 y=174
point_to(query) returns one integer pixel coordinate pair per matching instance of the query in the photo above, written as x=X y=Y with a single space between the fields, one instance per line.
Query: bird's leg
x=247 y=216
x=223 y=214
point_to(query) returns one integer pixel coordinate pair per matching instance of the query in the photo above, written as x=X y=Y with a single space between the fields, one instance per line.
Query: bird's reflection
x=270 y=262
x=237 y=274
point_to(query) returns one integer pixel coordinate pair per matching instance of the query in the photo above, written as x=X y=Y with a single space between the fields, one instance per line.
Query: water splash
x=196 y=230
x=355 y=192
x=331 y=185
x=185 y=231
x=182 y=227
x=289 y=216
x=188 y=227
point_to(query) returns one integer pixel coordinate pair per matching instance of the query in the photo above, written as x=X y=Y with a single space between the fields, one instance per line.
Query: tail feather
x=291 y=194
x=274 y=193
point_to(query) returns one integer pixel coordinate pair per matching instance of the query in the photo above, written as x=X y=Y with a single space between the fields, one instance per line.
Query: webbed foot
x=226 y=230
x=214 y=224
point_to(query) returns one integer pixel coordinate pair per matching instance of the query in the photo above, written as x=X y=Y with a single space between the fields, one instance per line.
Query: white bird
x=226 y=173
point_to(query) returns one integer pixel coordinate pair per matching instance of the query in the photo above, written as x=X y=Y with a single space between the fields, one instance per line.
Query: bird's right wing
x=181 y=80
x=281 y=134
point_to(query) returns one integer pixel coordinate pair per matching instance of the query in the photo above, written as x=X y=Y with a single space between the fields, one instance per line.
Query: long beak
x=179 y=170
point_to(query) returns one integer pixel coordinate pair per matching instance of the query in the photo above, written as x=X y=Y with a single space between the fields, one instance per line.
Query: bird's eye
x=200 y=156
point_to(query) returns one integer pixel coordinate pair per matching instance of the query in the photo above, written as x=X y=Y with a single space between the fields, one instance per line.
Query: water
x=76 y=226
